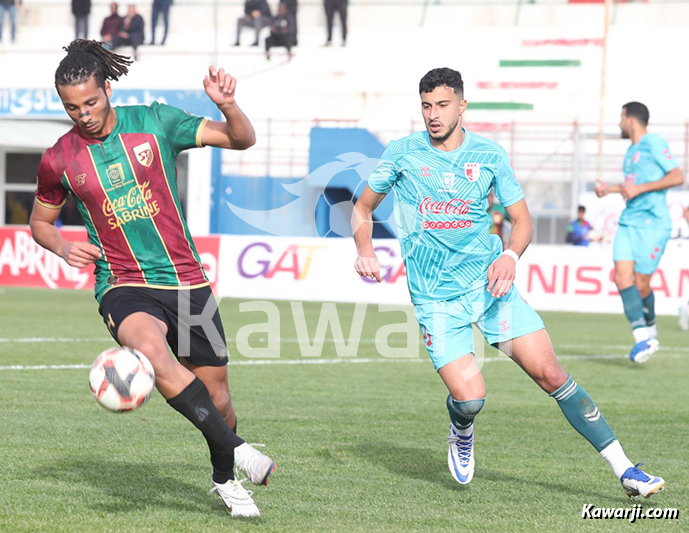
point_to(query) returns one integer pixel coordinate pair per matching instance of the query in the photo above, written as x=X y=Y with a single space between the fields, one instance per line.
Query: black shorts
x=191 y=336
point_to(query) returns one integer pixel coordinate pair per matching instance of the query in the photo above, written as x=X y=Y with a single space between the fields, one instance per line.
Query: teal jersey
x=441 y=201
x=646 y=161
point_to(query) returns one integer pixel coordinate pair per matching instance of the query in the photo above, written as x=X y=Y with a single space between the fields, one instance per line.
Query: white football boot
x=636 y=482
x=253 y=464
x=236 y=498
x=460 y=455
x=643 y=350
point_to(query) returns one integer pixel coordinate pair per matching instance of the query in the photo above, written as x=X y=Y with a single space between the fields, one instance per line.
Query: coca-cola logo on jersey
x=456 y=206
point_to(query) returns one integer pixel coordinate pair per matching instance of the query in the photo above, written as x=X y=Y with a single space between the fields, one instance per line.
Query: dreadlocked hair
x=86 y=58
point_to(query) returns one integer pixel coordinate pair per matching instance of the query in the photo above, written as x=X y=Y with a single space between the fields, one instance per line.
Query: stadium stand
x=535 y=89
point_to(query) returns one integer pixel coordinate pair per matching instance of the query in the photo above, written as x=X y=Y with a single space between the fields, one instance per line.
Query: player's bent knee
x=553 y=378
x=623 y=281
x=643 y=284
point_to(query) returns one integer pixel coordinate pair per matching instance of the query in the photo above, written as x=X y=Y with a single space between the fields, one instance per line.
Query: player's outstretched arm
x=44 y=232
x=502 y=271
x=236 y=133
x=362 y=228
x=673 y=178
x=602 y=189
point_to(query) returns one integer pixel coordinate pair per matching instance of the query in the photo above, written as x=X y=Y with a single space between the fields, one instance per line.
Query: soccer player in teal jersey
x=458 y=274
x=644 y=227
x=119 y=163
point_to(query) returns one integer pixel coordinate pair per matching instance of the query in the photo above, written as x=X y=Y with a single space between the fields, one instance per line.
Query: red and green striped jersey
x=126 y=191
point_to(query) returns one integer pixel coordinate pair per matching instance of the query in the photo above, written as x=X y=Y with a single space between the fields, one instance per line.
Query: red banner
x=23 y=263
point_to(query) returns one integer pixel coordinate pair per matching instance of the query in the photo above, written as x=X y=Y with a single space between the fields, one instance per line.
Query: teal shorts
x=446 y=325
x=644 y=246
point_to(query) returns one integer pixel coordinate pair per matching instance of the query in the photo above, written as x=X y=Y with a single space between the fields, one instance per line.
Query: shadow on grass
x=623 y=363
x=417 y=463
x=523 y=483
x=131 y=486
x=408 y=461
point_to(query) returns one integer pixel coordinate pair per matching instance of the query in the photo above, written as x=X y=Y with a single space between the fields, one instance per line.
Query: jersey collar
x=639 y=141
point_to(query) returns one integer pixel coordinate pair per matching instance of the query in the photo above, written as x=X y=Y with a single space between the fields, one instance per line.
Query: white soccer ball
x=122 y=379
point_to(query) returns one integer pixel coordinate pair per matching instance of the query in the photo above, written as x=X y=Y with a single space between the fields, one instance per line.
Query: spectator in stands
x=292 y=7
x=81 y=9
x=256 y=15
x=332 y=7
x=578 y=231
x=9 y=7
x=132 y=31
x=160 y=7
x=111 y=25
x=282 y=31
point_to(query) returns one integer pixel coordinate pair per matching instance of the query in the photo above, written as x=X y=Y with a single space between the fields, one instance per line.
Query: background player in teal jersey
x=645 y=225
x=119 y=163
x=458 y=274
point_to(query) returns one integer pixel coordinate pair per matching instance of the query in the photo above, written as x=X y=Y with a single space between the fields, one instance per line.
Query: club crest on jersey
x=472 y=171
x=80 y=179
x=115 y=174
x=637 y=156
x=448 y=182
x=144 y=154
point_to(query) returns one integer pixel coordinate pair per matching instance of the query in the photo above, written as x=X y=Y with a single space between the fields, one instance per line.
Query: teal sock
x=649 y=308
x=633 y=306
x=582 y=412
x=462 y=414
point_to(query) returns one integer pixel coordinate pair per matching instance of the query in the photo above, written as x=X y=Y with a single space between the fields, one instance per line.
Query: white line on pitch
x=290 y=340
x=22 y=340
x=323 y=361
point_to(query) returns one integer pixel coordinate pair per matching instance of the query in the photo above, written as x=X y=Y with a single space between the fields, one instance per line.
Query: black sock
x=195 y=404
x=222 y=467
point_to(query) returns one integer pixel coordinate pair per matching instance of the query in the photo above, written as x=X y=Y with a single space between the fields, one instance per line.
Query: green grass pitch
x=359 y=447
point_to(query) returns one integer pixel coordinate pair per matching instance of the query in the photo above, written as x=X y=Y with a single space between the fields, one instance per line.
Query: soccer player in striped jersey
x=119 y=164
x=457 y=273
x=645 y=226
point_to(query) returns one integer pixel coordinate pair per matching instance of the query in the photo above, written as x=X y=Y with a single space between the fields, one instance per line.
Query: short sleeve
x=662 y=156
x=507 y=189
x=386 y=172
x=182 y=130
x=49 y=192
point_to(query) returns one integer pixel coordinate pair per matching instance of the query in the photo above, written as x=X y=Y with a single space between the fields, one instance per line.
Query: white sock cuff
x=641 y=334
x=615 y=456
x=464 y=432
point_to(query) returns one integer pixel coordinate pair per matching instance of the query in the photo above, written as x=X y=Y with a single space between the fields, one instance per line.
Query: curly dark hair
x=442 y=77
x=86 y=58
